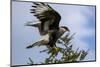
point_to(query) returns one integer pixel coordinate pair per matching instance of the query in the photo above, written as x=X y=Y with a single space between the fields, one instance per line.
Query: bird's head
x=64 y=29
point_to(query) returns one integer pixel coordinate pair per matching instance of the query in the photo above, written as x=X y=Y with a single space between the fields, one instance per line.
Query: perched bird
x=48 y=25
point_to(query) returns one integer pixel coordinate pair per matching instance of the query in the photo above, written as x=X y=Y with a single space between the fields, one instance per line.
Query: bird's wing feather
x=48 y=17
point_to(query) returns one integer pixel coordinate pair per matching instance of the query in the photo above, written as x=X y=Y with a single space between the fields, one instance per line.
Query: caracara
x=48 y=25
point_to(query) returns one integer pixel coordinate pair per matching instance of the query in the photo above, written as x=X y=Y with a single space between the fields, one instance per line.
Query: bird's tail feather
x=34 y=44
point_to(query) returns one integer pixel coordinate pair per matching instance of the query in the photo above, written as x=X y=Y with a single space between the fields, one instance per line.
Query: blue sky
x=79 y=19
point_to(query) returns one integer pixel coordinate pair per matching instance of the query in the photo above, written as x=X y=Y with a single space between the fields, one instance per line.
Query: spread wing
x=48 y=17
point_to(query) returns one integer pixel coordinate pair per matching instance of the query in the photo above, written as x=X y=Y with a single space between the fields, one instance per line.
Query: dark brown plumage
x=49 y=24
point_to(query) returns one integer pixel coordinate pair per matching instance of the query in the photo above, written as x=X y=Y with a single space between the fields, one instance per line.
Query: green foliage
x=65 y=51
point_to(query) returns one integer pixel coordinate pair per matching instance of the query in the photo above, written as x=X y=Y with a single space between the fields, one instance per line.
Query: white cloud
x=77 y=19
x=90 y=56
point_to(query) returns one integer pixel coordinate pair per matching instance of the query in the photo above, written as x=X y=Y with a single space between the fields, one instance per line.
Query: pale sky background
x=79 y=19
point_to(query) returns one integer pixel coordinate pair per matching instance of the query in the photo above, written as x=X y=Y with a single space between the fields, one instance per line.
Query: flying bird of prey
x=48 y=25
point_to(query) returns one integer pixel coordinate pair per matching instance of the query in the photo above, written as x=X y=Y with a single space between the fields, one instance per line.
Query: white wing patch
x=41 y=9
x=45 y=37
